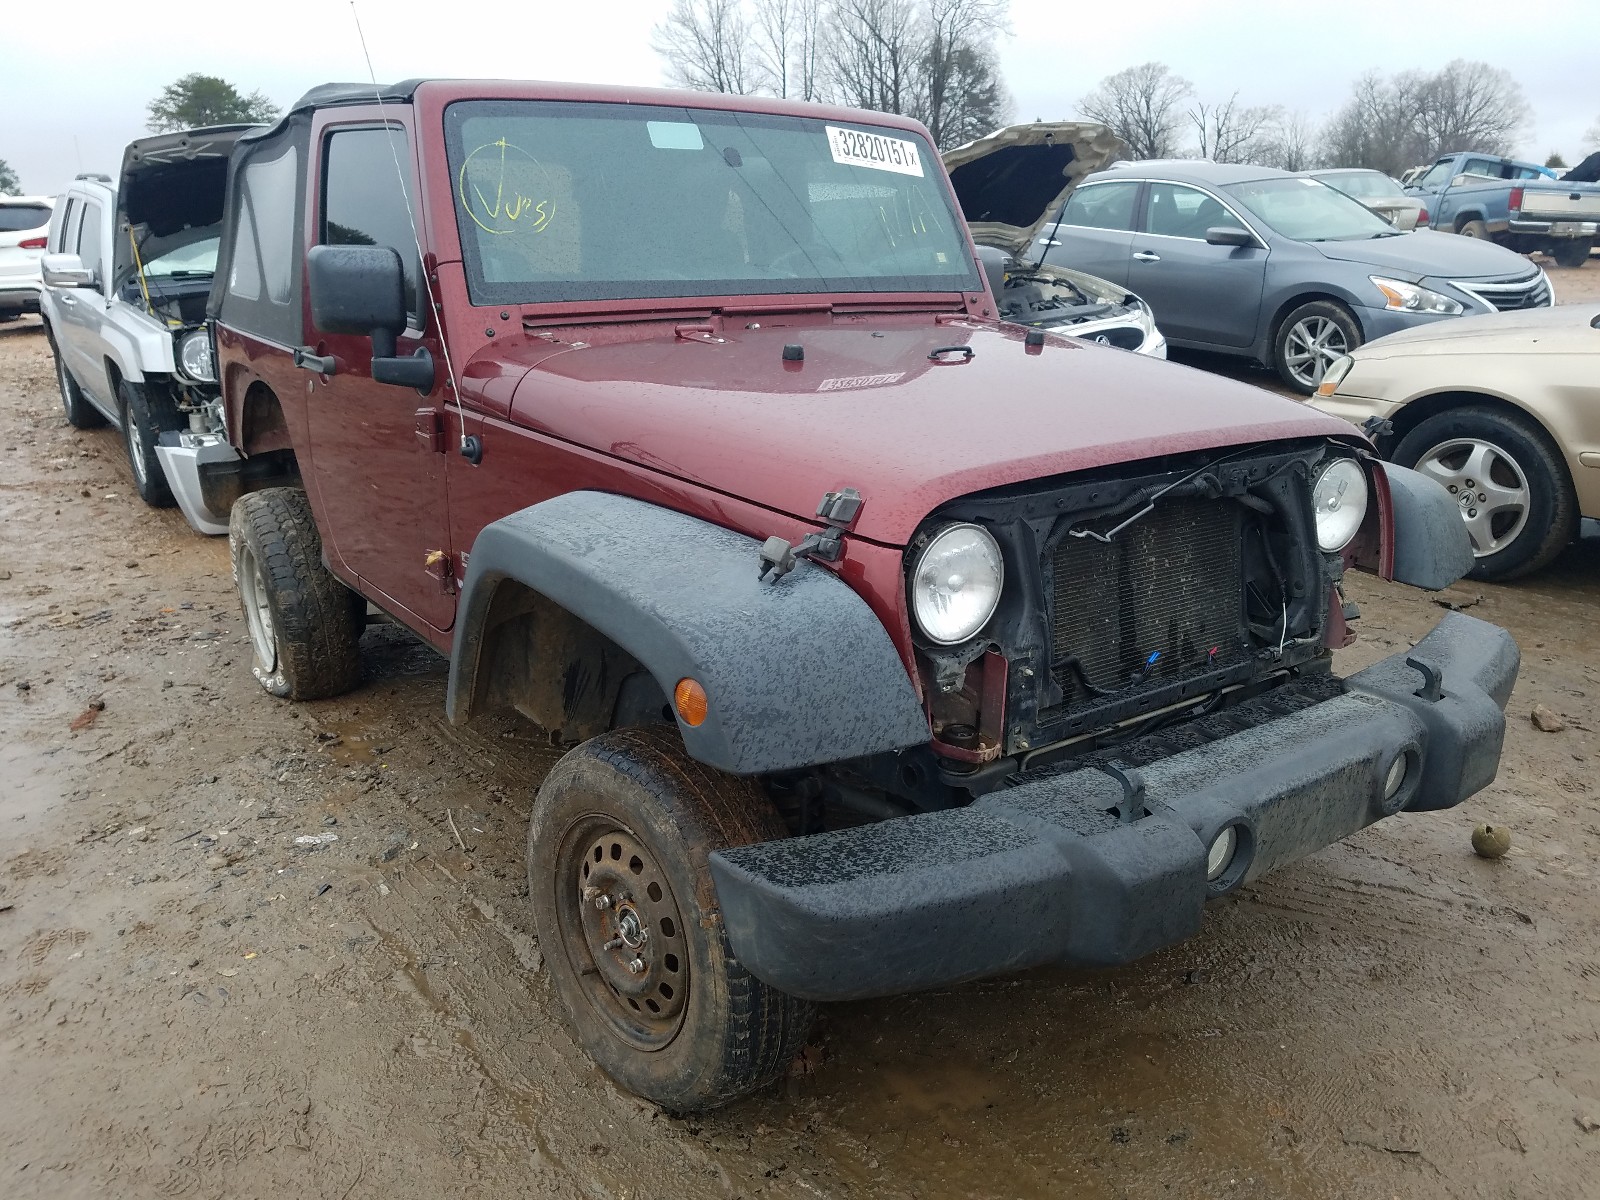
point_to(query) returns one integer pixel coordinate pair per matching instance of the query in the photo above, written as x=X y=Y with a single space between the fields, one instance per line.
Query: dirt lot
x=194 y=1004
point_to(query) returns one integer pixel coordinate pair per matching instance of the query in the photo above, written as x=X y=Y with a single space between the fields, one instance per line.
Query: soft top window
x=576 y=201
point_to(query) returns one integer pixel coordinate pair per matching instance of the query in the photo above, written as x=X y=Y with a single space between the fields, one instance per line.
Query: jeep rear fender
x=798 y=673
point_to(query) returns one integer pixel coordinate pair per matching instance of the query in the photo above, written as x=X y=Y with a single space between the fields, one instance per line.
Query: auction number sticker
x=854 y=148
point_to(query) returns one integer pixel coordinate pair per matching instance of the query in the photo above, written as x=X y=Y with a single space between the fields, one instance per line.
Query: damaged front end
x=1071 y=303
x=169 y=219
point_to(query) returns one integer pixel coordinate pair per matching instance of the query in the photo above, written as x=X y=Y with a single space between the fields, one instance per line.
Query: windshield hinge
x=839 y=511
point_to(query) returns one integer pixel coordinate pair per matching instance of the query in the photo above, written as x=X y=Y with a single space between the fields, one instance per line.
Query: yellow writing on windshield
x=503 y=189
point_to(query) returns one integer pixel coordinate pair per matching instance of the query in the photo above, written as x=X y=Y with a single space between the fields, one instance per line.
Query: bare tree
x=704 y=43
x=1140 y=104
x=1413 y=117
x=873 y=51
x=1377 y=128
x=1233 y=133
x=975 y=100
x=956 y=72
x=1470 y=106
x=1288 y=144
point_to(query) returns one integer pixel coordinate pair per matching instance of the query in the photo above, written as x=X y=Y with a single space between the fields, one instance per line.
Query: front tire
x=1572 y=253
x=80 y=413
x=627 y=915
x=1310 y=340
x=304 y=625
x=141 y=431
x=1509 y=480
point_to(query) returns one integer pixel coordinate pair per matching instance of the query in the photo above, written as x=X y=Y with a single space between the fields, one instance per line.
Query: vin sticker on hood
x=853 y=148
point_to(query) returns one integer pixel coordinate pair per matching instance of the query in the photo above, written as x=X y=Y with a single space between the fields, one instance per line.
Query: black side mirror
x=1229 y=235
x=358 y=289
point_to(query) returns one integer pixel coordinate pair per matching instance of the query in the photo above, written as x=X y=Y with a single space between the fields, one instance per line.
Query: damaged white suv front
x=1010 y=185
x=127 y=276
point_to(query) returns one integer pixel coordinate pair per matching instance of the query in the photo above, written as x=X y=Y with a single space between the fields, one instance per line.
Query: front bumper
x=1049 y=871
x=184 y=456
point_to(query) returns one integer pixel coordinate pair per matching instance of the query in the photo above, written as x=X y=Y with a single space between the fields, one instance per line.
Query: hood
x=868 y=409
x=1522 y=331
x=1425 y=253
x=1009 y=182
x=171 y=191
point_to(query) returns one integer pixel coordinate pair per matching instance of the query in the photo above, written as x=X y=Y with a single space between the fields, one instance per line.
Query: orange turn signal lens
x=689 y=698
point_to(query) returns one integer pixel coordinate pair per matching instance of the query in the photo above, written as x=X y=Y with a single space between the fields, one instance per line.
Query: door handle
x=1049 y=242
x=66 y=300
x=322 y=364
x=1146 y=256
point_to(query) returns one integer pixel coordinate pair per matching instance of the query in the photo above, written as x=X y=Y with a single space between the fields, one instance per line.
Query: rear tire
x=1572 y=253
x=1474 y=229
x=304 y=625
x=143 y=419
x=1521 y=465
x=648 y=983
x=80 y=413
x=1310 y=339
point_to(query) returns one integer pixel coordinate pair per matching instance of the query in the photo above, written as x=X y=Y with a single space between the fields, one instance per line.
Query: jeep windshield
x=562 y=201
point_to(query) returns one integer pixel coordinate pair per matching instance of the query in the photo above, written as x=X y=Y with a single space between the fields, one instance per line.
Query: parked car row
x=896 y=643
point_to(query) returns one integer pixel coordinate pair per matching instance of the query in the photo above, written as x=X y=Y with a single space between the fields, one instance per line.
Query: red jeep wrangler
x=897 y=646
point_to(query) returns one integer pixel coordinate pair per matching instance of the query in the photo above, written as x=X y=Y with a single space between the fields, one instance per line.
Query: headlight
x=1409 y=297
x=1334 y=375
x=955 y=584
x=1340 y=500
x=194 y=357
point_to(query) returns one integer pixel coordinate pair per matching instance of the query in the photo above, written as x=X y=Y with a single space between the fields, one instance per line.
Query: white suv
x=127 y=274
x=23 y=223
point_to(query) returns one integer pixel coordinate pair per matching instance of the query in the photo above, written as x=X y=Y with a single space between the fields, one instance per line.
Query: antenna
x=454 y=400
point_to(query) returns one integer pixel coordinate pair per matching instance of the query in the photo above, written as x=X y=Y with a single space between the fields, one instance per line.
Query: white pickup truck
x=127 y=273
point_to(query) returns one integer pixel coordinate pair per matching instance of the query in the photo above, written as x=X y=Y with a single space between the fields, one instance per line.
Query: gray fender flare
x=798 y=673
x=1431 y=546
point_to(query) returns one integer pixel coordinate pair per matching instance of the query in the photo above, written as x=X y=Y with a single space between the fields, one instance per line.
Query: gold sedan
x=1504 y=410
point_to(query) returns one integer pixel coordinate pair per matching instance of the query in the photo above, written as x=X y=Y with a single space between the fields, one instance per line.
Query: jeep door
x=1200 y=293
x=380 y=488
x=1095 y=231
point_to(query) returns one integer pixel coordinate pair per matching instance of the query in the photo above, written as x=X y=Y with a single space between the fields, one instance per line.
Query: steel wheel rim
x=135 y=446
x=1313 y=344
x=1489 y=486
x=639 y=922
x=257 y=612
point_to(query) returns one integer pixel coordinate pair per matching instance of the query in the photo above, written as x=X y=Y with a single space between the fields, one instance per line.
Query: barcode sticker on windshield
x=854 y=148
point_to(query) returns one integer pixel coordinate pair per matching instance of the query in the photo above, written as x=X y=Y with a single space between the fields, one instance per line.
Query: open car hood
x=170 y=192
x=1011 y=181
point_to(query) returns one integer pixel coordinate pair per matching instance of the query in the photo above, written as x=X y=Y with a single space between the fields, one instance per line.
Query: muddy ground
x=194 y=1004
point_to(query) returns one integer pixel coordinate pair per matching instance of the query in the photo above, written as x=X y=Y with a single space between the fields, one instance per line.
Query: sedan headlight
x=956 y=583
x=194 y=357
x=1410 y=297
x=1340 y=500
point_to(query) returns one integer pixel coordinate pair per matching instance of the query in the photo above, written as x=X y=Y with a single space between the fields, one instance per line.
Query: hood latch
x=839 y=511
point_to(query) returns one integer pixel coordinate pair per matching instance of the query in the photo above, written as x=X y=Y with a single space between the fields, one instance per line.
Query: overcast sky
x=71 y=103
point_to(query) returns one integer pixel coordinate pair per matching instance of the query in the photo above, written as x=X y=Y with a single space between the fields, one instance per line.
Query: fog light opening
x=1220 y=857
x=1396 y=778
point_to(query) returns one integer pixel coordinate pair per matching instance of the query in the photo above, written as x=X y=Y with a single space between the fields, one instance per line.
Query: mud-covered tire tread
x=1474 y=229
x=1554 y=506
x=766 y=1028
x=316 y=618
x=79 y=412
x=152 y=414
